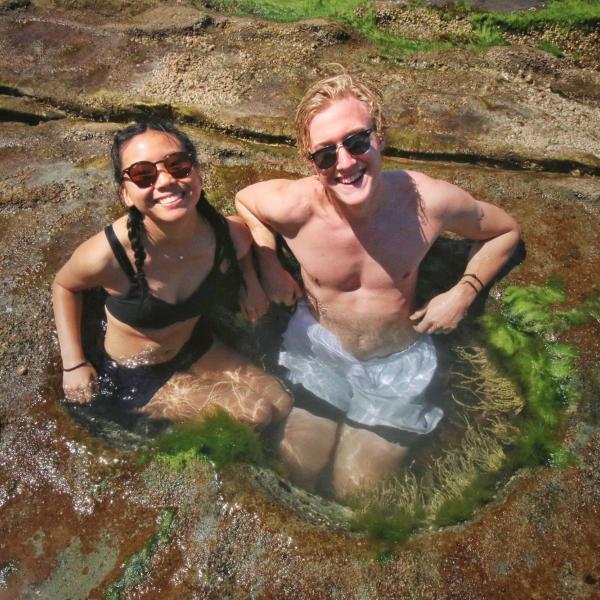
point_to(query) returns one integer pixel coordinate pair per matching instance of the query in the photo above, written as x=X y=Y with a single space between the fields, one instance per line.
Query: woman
x=163 y=265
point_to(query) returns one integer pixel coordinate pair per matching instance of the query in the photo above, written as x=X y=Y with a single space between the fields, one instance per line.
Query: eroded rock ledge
x=508 y=106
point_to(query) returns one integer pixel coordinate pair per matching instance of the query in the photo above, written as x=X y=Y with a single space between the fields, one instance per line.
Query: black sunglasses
x=144 y=173
x=357 y=143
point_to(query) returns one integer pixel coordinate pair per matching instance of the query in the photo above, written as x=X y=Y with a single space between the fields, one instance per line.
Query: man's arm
x=253 y=300
x=263 y=208
x=497 y=234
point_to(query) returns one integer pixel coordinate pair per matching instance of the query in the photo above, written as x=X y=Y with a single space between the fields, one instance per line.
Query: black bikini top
x=140 y=309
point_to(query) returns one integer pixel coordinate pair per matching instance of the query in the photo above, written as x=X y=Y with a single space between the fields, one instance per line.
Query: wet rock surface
x=73 y=507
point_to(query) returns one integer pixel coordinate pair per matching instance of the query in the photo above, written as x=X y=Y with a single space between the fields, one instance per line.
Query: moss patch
x=569 y=14
x=362 y=16
x=137 y=566
x=219 y=438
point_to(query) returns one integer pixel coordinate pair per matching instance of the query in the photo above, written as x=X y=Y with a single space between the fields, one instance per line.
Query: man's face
x=353 y=180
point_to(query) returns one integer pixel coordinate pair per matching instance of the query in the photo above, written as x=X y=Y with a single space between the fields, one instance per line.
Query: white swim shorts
x=384 y=391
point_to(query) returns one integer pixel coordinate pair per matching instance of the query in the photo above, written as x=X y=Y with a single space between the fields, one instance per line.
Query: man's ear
x=311 y=165
x=381 y=139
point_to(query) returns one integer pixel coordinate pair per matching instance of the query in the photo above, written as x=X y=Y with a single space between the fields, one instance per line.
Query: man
x=359 y=234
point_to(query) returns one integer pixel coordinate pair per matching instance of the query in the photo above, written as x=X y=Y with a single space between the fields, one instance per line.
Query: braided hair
x=135 y=220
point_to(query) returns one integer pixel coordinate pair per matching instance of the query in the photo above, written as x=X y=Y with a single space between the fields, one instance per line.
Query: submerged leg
x=362 y=459
x=221 y=379
x=306 y=446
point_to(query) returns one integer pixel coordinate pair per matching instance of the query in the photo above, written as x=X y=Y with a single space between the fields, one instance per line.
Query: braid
x=135 y=232
x=219 y=224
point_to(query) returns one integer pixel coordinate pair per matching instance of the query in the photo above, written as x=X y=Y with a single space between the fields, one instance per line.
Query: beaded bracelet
x=82 y=364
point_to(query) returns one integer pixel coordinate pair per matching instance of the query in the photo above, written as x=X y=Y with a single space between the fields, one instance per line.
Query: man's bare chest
x=375 y=256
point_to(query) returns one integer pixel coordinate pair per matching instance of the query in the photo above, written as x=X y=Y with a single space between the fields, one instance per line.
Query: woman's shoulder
x=92 y=262
x=100 y=246
x=120 y=229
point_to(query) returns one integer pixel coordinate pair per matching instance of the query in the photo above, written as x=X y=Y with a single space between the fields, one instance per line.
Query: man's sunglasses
x=144 y=173
x=357 y=143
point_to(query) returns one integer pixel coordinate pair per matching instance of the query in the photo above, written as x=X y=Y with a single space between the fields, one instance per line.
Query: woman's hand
x=80 y=385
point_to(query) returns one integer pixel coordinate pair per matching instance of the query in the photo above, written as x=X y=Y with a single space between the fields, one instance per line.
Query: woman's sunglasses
x=357 y=143
x=144 y=173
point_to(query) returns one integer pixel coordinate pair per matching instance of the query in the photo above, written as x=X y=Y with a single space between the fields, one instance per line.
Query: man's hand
x=443 y=313
x=280 y=286
x=80 y=385
x=274 y=207
x=253 y=301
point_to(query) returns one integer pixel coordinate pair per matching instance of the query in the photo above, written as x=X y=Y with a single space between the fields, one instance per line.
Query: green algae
x=536 y=444
x=523 y=347
x=460 y=508
x=486 y=35
x=138 y=565
x=360 y=15
x=218 y=438
x=523 y=337
x=385 y=556
x=389 y=526
x=550 y=48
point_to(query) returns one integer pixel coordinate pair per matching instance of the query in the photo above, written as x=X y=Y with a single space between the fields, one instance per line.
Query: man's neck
x=360 y=213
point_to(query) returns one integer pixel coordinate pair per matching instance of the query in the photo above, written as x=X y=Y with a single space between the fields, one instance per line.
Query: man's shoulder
x=294 y=187
x=279 y=202
x=278 y=189
x=429 y=189
x=280 y=197
x=407 y=177
x=408 y=186
x=437 y=198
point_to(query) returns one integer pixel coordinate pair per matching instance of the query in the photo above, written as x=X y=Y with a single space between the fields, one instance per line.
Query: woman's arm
x=84 y=270
x=79 y=376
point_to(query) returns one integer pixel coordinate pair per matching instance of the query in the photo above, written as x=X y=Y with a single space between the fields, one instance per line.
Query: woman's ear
x=125 y=199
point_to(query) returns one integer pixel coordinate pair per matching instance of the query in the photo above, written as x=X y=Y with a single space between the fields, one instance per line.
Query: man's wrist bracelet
x=81 y=364
x=475 y=278
x=470 y=284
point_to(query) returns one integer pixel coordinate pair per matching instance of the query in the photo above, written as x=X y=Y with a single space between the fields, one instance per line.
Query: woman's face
x=169 y=198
